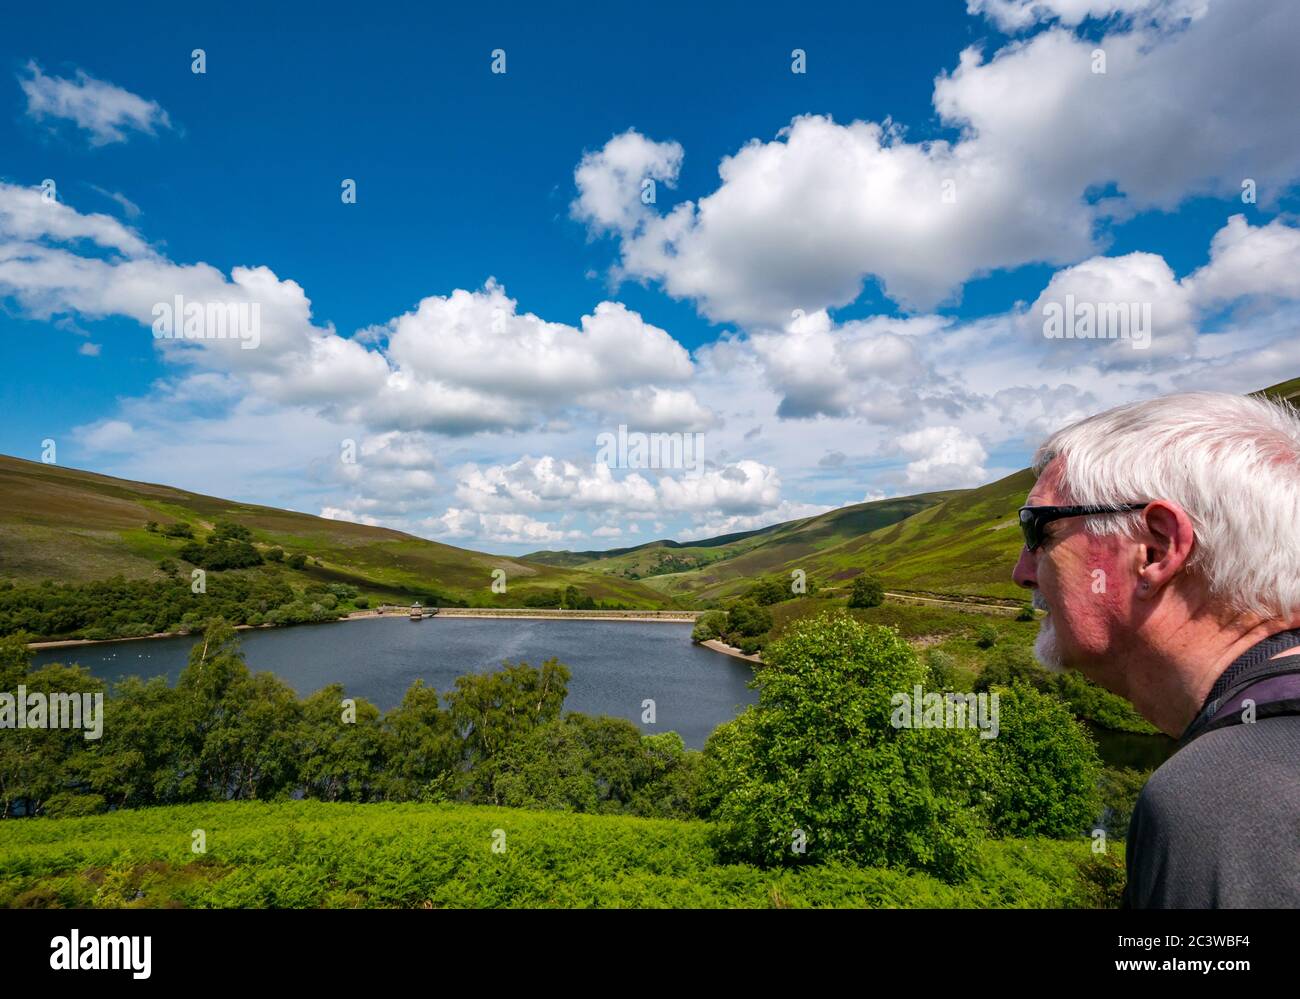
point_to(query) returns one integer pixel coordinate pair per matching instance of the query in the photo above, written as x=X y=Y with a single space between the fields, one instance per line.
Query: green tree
x=603 y=765
x=1046 y=769
x=673 y=786
x=866 y=591
x=709 y=625
x=818 y=759
x=748 y=620
x=40 y=764
x=492 y=711
x=768 y=591
x=239 y=728
x=340 y=757
x=145 y=749
x=1120 y=787
x=421 y=748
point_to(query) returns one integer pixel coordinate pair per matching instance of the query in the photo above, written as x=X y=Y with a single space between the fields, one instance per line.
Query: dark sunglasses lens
x=1029 y=528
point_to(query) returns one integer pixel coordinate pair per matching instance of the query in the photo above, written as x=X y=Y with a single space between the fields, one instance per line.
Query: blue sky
x=834 y=324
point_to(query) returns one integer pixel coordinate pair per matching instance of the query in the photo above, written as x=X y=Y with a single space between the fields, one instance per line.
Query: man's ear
x=1167 y=545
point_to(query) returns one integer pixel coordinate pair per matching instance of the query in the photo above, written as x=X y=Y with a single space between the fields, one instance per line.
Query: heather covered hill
x=68 y=525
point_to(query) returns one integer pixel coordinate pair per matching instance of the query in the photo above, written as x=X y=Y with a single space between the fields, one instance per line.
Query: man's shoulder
x=1245 y=764
x=1220 y=819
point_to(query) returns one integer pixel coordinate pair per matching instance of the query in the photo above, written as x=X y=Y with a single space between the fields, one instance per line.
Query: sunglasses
x=1034 y=519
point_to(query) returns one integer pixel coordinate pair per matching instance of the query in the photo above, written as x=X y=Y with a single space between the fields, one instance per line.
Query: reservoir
x=616 y=665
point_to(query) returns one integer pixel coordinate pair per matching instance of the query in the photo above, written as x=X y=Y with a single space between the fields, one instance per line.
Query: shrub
x=1010 y=665
x=709 y=626
x=542 y=598
x=750 y=644
x=1046 y=770
x=943 y=669
x=767 y=592
x=1120 y=788
x=866 y=591
x=1026 y=612
x=221 y=552
x=746 y=620
x=226 y=530
x=986 y=636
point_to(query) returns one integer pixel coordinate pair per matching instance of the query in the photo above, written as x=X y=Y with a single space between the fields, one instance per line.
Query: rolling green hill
x=748 y=555
x=963 y=543
x=581 y=558
x=75 y=526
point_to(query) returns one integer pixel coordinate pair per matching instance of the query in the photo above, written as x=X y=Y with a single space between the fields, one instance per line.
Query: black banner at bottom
x=147 y=948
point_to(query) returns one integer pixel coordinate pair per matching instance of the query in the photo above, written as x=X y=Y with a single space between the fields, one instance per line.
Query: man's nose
x=1023 y=574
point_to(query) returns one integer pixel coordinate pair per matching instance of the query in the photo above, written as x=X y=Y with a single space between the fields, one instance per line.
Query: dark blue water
x=616 y=665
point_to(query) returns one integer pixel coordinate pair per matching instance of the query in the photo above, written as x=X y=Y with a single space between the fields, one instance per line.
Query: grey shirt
x=1218 y=825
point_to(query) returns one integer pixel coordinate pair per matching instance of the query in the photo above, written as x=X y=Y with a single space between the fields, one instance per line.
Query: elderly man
x=1163 y=540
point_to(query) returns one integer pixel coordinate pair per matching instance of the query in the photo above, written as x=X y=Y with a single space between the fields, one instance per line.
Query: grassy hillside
x=684 y=568
x=563 y=557
x=307 y=854
x=1289 y=390
x=962 y=543
x=74 y=526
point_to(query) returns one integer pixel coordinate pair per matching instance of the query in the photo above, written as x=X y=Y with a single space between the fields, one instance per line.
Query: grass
x=309 y=854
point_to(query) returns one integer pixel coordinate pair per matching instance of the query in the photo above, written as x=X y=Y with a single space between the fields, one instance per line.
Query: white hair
x=1232 y=462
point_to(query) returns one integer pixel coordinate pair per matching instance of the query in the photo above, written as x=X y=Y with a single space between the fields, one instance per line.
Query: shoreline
x=730 y=650
x=397 y=614
x=536 y=614
x=74 y=642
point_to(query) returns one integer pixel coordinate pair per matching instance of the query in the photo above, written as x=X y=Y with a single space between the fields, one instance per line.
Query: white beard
x=1046 y=650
